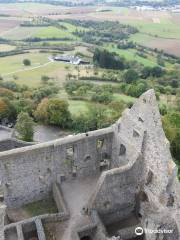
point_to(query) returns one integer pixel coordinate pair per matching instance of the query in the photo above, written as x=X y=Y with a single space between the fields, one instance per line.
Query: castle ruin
x=105 y=183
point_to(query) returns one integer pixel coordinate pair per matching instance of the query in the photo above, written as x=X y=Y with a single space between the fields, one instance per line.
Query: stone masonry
x=112 y=180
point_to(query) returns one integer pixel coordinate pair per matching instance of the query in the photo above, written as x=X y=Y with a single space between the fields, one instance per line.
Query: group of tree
x=108 y=60
x=89 y=91
x=15 y=100
x=53 y=111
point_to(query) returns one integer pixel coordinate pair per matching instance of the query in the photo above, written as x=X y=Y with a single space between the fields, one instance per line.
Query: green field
x=53 y=32
x=41 y=207
x=77 y=106
x=154 y=23
x=31 y=75
x=164 y=29
x=124 y=98
x=131 y=54
x=20 y=33
x=72 y=28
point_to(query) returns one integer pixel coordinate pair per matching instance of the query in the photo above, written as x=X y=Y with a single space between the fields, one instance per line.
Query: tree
x=26 y=62
x=41 y=113
x=171 y=124
x=44 y=91
x=96 y=117
x=3 y=109
x=102 y=97
x=58 y=113
x=44 y=79
x=157 y=71
x=7 y=109
x=106 y=59
x=160 y=60
x=178 y=101
x=175 y=83
x=4 y=92
x=130 y=76
x=24 y=104
x=25 y=127
x=146 y=72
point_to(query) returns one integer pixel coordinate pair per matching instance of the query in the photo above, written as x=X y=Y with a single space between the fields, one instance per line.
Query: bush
x=130 y=76
x=53 y=111
x=26 y=62
x=4 y=92
x=102 y=97
x=171 y=124
x=44 y=79
x=95 y=118
x=45 y=91
x=25 y=127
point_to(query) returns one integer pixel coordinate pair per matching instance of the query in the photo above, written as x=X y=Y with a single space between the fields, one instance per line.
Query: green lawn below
x=41 y=207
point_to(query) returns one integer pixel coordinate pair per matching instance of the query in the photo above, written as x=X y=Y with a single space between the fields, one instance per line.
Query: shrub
x=26 y=62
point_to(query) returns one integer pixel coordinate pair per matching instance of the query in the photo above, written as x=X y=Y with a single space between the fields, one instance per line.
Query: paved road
x=4 y=134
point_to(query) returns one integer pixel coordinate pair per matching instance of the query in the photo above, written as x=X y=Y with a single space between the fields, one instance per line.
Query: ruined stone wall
x=160 y=170
x=143 y=180
x=27 y=173
x=11 y=143
x=2 y=215
x=115 y=196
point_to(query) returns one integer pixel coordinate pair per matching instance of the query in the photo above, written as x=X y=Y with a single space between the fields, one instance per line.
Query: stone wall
x=140 y=176
x=115 y=195
x=27 y=173
x=2 y=215
x=11 y=143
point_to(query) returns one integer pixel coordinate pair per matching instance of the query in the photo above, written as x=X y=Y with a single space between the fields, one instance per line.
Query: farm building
x=70 y=59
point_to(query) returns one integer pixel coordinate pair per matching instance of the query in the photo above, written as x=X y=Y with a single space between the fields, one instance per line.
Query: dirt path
x=29 y=69
x=77 y=194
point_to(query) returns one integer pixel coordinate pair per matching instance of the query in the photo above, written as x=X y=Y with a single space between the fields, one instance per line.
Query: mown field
x=131 y=54
x=12 y=68
x=20 y=33
x=156 y=29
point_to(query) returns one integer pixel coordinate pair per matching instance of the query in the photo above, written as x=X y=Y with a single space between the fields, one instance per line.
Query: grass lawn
x=165 y=29
x=41 y=207
x=123 y=97
x=77 y=106
x=80 y=106
x=53 y=32
x=141 y=38
x=73 y=28
x=14 y=63
x=130 y=54
x=40 y=65
x=19 y=33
